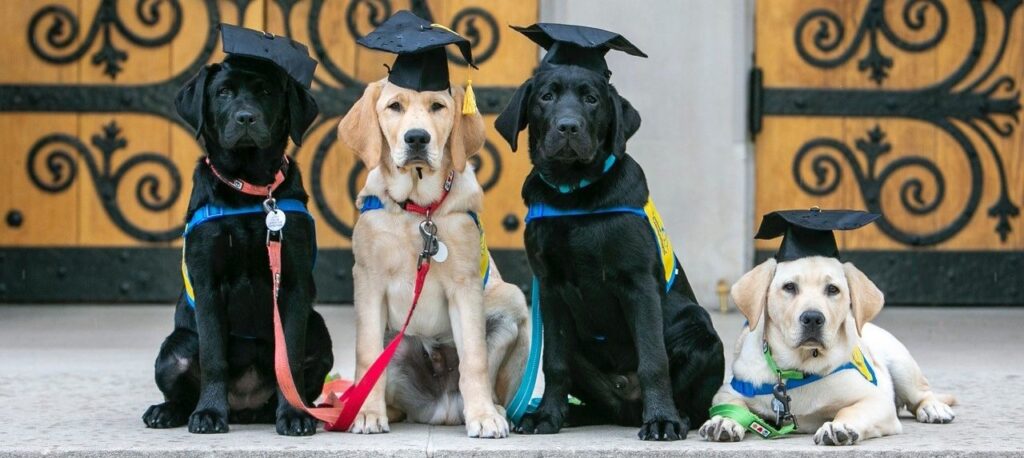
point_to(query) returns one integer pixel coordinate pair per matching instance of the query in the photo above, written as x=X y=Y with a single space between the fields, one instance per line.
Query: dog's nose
x=812 y=319
x=245 y=118
x=568 y=126
x=417 y=138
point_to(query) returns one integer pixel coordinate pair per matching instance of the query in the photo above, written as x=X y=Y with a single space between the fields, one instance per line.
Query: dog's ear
x=302 y=110
x=750 y=292
x=191 y=99
x=625 y=124
x=513 y=118
x=866 y=300
x=360 y=129
x=467 y=136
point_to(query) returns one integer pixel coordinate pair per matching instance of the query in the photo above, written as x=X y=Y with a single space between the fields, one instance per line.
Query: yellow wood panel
x=782 y=137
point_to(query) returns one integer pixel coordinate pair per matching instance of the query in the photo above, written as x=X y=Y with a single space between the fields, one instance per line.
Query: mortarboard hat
x=422 y=63
x=809 y=232
x=290 y=56
x=577 y=45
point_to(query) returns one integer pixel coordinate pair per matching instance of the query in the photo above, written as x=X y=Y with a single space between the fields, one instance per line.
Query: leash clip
x=780 y=405
x=428 y=230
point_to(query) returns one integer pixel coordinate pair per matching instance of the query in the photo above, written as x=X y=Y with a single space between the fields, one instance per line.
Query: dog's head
x=575 y=116
x=405 y=129
x=245 y=103
x=807 y=301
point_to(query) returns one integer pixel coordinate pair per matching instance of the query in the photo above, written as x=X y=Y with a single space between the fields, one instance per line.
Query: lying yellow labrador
x=867 y=375
x=409 y=141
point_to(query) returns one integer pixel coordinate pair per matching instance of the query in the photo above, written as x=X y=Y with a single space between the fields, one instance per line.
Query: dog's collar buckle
x=426 y=211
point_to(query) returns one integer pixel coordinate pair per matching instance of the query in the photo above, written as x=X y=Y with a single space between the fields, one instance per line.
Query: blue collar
x=566 y=188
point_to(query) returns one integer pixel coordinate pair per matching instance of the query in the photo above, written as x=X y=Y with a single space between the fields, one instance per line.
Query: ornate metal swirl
x=830 y=33
x=828 y=173
x=63 y=30
x=468 y=22
x=52 y=168
x=377 y=11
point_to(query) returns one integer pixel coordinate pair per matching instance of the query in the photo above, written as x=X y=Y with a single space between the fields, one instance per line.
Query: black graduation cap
x=422 y=63
x=577 y=45
x=290 y=56
x=809 y=232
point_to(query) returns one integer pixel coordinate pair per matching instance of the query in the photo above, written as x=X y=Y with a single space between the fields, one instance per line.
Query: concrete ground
x=75 y=381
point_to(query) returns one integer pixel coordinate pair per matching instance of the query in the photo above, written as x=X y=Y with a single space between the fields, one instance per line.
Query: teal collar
x=567 y=188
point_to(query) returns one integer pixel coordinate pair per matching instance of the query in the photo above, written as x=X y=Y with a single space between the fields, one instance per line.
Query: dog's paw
x=832 y=433
x=934 y=411
x=721 y=429
x=489 y=425
x=540 y=422
x=207 y=421
x=370 y=422
x=166 y=415
x=295 y=423
x=664 y=428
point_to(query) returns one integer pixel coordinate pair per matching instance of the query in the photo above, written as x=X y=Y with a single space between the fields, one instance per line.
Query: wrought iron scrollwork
x=63 y=30
x=830 y=33
x=52 y=168
x=984 y=106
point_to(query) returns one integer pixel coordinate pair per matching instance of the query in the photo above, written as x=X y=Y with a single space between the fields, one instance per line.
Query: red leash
x=338 y=412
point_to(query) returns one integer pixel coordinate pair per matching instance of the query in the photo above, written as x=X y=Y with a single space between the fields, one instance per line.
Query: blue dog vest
x=857 y=362
x=211 y=212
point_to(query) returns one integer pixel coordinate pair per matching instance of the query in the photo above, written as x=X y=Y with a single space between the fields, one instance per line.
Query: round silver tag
x=275 y=220
x=442 y=252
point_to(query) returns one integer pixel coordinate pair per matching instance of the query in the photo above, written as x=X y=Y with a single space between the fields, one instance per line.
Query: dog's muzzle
x=811 y=324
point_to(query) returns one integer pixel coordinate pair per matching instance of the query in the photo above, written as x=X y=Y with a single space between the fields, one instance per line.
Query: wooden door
x=97 y=164
x=910 y=109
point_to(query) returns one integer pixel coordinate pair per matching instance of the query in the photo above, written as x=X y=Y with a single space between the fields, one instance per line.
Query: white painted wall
x=693 y=142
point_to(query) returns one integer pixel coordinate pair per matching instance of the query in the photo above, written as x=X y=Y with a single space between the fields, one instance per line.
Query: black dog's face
x=570 y=112
x=245 y=103
x=245 y=107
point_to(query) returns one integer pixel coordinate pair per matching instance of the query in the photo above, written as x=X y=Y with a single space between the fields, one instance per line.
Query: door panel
x=910 y=109
x=100 y=165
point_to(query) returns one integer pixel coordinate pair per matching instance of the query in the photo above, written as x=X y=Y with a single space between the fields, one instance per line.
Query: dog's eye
x=437 y=106
x=789 y=287
x=395 y=106
x=832 y=290
x=547 y=97
x=225 y=92
x=590 y=99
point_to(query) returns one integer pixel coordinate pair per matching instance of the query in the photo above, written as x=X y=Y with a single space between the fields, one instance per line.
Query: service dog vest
x=669 y=262
x=374 y=203
x=211 y=212
x=857 y=362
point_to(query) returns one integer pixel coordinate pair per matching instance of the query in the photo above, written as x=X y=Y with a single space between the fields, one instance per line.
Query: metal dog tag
x=275 y=220
x=442 y=252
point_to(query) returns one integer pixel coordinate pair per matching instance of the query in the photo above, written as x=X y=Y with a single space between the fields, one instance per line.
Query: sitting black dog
x=632 y=352
x=218 y=364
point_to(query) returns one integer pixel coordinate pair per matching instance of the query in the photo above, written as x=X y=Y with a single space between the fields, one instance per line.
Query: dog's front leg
x=211 y=413
x=466 y=312
x=296 y=301
x=559 y=346
x=661 y=419
x=865 y=419
x=371 y=321
x=724 y=429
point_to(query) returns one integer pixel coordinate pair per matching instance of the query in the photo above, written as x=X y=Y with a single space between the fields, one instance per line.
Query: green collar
x=783 y=374
x=568 y=188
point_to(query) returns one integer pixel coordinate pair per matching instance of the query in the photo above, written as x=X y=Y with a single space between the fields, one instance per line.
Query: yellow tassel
x=469 y=100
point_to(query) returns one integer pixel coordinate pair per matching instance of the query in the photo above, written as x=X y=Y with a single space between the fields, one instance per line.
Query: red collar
x=243 y=186
x=428 y=210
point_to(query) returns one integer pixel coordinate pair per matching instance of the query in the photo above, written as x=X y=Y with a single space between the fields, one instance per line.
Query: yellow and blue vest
x=857 y=362
x=374 y=203
x=211 y=212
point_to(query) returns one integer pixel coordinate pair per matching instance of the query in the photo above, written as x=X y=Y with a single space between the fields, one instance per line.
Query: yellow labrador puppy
x=814 y=313
x=409 y=141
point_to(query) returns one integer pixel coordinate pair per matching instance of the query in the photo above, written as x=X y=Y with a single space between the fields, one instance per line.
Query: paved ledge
x=74 y=381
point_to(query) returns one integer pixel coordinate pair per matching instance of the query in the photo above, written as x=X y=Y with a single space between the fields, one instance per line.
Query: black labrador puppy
x=634 y=354
x=218 y=364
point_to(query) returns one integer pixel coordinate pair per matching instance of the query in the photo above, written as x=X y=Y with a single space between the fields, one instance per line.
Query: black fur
x=218 y=364
x=658 y=361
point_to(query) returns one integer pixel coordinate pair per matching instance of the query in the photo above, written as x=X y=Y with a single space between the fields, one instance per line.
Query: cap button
x=815 y=209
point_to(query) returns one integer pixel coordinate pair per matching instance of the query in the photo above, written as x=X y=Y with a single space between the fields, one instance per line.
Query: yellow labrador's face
x=808 y=302
x=416 y=125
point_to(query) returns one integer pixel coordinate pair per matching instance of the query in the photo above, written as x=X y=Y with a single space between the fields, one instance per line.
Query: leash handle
x=751 y=421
